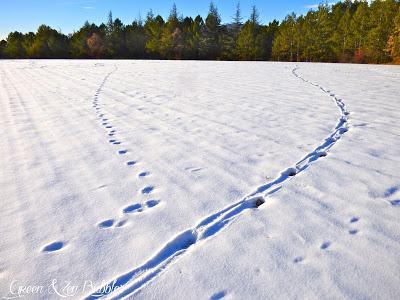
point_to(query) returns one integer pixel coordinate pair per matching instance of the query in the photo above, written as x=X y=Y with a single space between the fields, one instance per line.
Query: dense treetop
x=349 y=31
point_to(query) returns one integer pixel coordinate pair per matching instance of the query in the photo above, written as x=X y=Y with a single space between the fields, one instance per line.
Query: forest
x=348 y=31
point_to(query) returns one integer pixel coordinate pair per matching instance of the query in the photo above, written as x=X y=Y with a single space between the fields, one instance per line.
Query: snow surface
x=200 y=180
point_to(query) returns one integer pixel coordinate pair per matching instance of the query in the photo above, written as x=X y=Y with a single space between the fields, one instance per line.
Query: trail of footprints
x=130 y=209
x=210 y=225
x=133 y=208
x=324 y=246
x=213 y=224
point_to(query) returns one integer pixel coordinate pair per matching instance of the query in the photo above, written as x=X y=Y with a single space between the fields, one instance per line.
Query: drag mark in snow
x=210 y=226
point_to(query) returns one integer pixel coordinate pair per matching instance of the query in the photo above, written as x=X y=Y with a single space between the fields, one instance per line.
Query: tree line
x=348 y=31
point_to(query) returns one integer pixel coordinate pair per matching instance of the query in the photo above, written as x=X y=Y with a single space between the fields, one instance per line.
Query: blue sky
x=68 y=15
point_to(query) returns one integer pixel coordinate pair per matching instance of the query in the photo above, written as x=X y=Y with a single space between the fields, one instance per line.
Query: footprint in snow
x=152 y=203
x=53 y=247
x=354 y=220
x=325 y=245
x=147 y=189
x=290 y=172
x=137 y=208
x=218 y=295
x=353 y=231
x=121 y=152
x=144 y=174
x=133 y=208
x=121 y=223
x=298 y=259
x=131 y=163
x=395 y=202
x=391 y=191
x=106 y=224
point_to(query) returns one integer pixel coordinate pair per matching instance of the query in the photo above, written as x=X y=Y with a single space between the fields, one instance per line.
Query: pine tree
x=15 y=48
x=343 y=38
x=193 y=35
x=237 y=22
x=3 y=45
x=248 y=45
x=284 y=47
x=135 y=40
x=153 y=29
x=171 y=43
x=210 y=46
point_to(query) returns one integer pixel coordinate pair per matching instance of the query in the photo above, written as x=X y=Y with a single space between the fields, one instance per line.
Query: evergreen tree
x=284 y=47
x=210 y=46
x=3 y=45
x=266 y=38
x=15 y=47
x=171 y=43
x=360 y=26
x=343 y=38
x=153 y=29
x=248 y=45
x=359 y=31
x=193 y=34
x=135 y=40
x=78 y=45
x=48 y=43
x=382 y=15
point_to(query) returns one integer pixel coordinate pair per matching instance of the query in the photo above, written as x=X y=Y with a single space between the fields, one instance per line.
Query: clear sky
x=69 y=15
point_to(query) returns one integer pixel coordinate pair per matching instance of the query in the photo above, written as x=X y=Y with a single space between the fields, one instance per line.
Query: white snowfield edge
x=199 y=180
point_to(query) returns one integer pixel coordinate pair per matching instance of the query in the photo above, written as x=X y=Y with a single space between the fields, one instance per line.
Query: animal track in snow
x=106 y=224
x=211 y=225
x=298 y=259
x=53 y=247
x=147 y=189
x=152 y=203
x=354 y=220
x=395 y=202
x=218 y=296
x=290 y=172
x=111 y=131
x=353 y=231
x=391 y=191
x=121 y=223
x=133 y=208
x=144 y=174
x=325 y=245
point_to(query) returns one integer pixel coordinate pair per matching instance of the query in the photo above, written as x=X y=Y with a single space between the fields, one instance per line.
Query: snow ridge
x=131 y=282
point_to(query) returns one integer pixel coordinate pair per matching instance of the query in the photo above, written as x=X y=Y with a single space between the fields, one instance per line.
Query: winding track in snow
x=131 y=282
